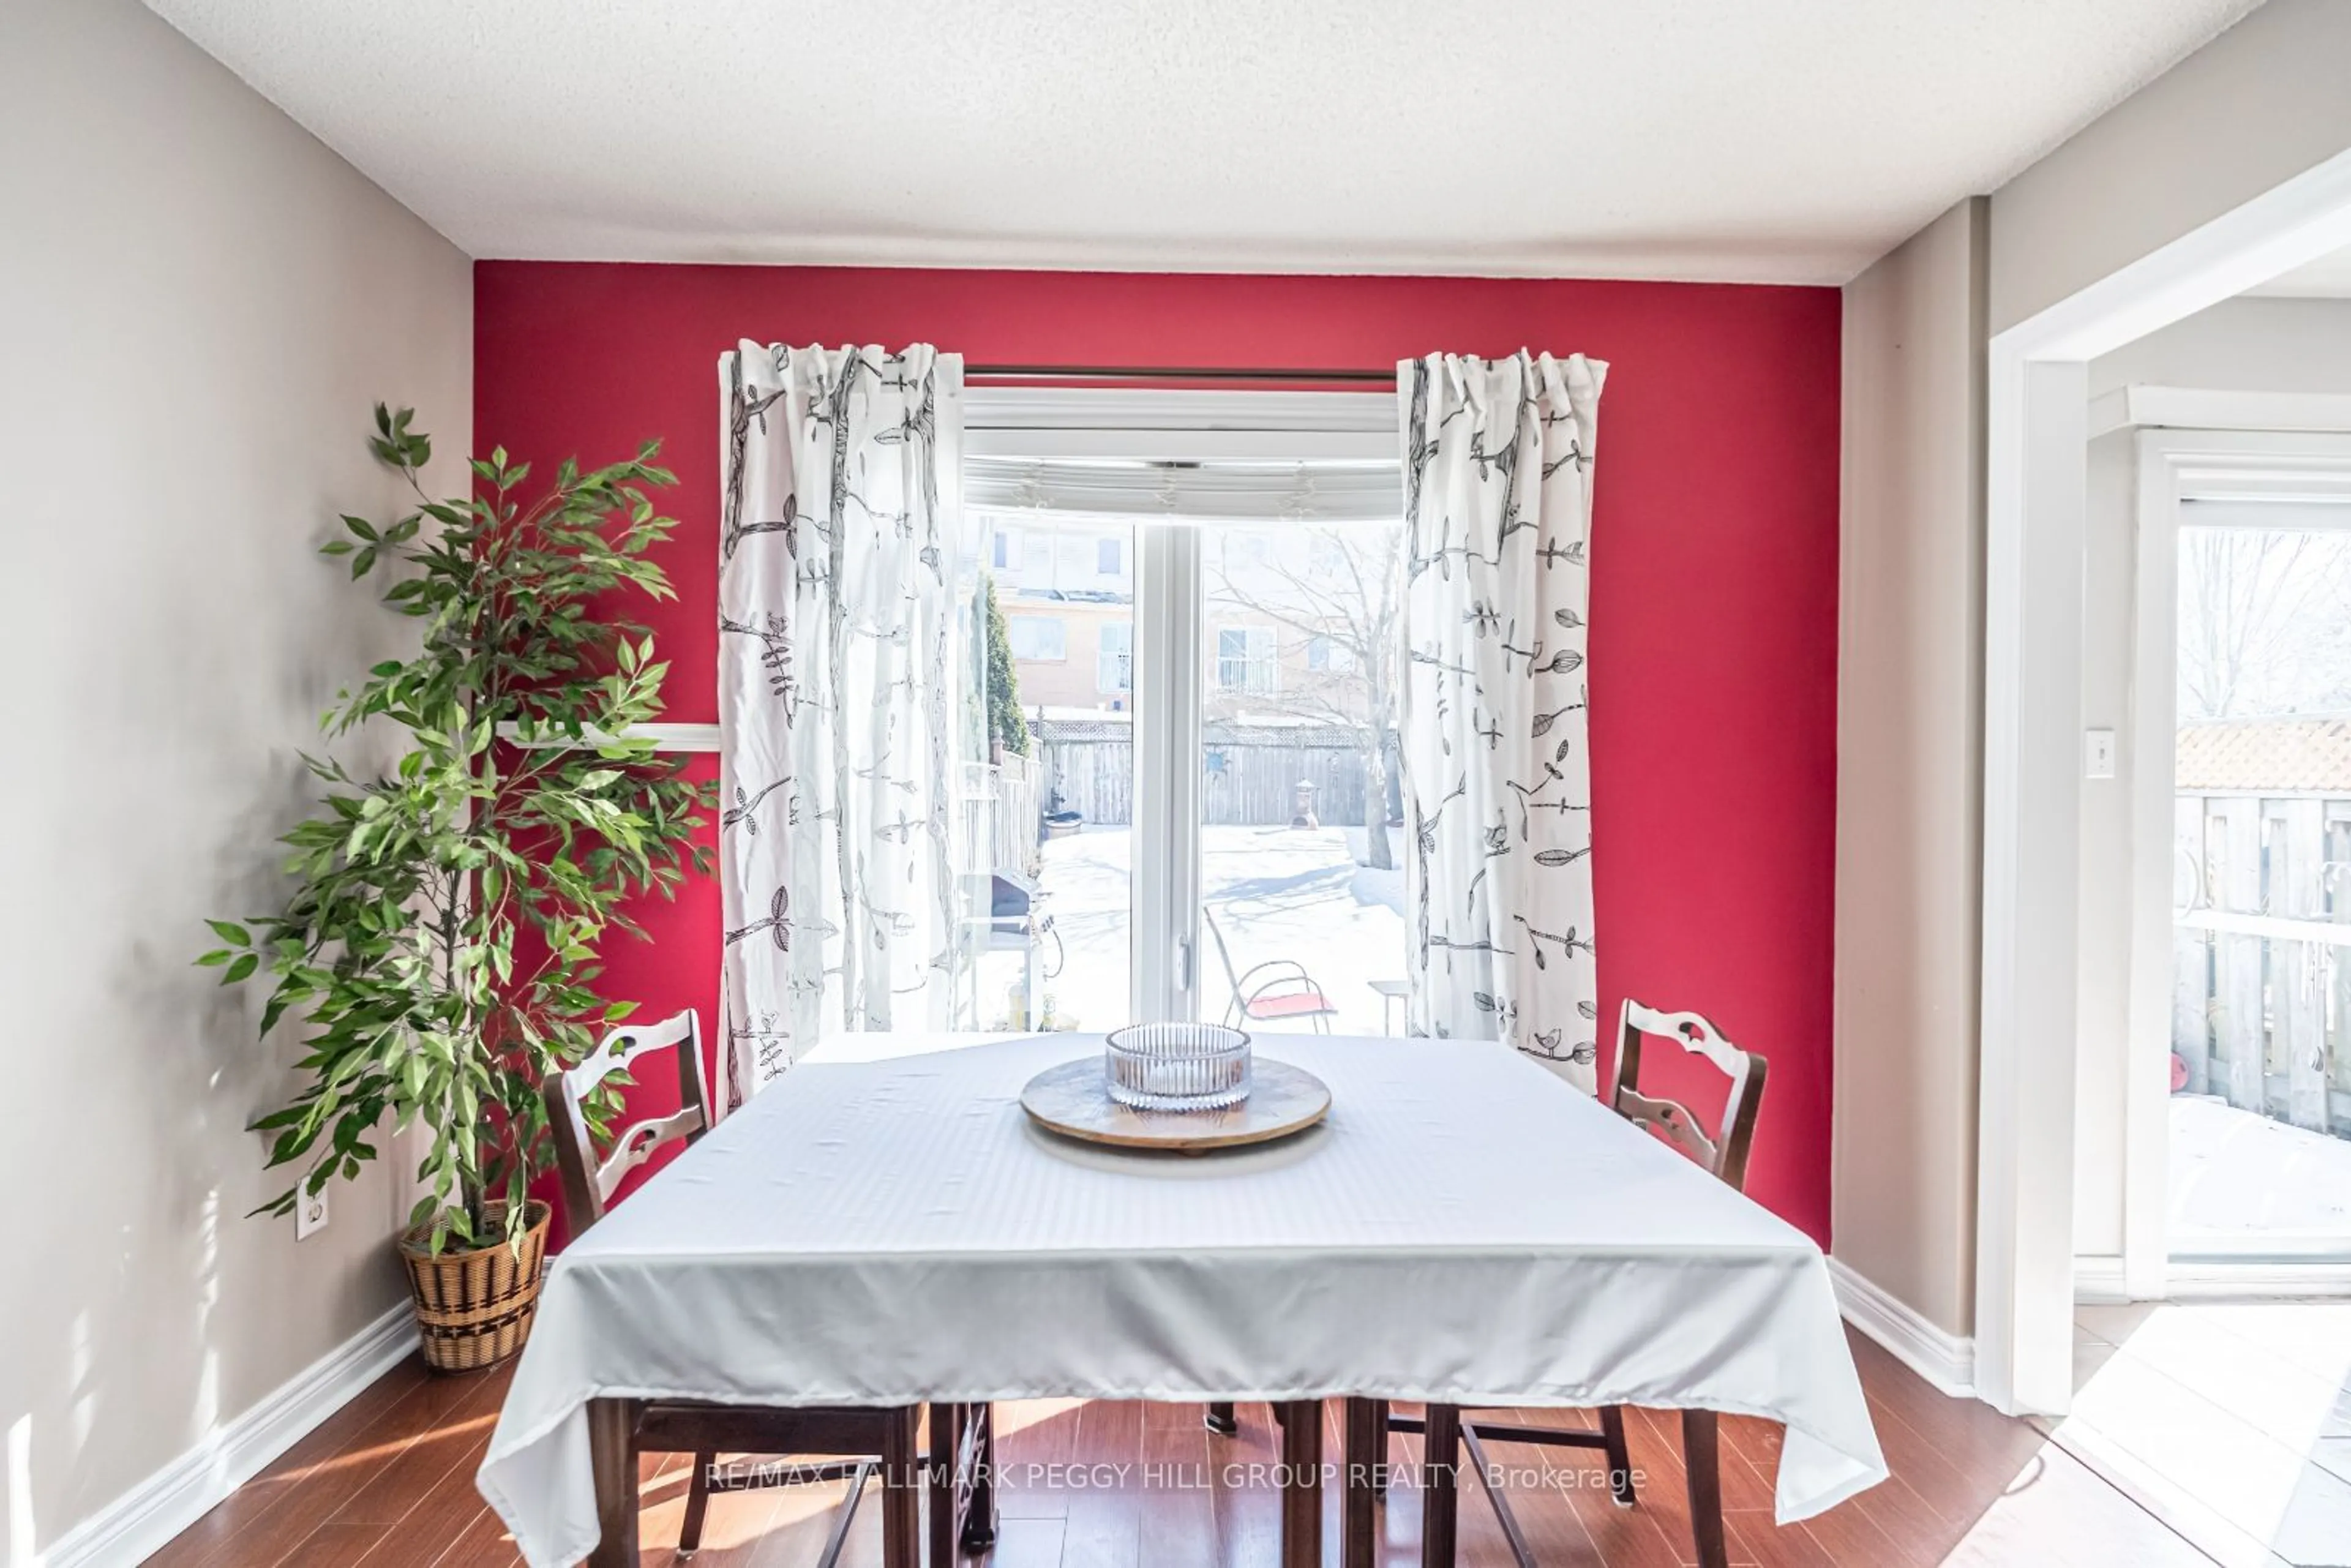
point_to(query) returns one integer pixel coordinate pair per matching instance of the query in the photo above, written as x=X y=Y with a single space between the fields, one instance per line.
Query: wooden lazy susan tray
x=1071 y=1100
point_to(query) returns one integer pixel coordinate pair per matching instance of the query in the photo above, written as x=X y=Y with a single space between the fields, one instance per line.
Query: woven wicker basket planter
x=474 y=1310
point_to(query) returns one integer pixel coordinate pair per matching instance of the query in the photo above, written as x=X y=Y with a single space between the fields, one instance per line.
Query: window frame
x=1153 y=425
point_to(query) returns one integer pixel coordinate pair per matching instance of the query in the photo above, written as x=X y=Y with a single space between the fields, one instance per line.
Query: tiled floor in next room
x=2230 y=1421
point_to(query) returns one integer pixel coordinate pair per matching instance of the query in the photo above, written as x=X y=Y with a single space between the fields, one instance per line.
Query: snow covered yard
x=2241 y=1181
x=1274 y=893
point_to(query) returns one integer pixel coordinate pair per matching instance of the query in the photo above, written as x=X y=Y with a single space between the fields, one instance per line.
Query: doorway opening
x=2039 y=1002
x=2216 y=887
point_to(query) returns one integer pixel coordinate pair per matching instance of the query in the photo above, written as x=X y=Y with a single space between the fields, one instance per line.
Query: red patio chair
x=1276 y=991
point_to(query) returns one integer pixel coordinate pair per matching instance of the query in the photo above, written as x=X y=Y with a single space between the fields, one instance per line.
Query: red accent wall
x=1713 y=638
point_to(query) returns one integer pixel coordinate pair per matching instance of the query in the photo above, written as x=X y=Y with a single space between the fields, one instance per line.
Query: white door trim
x=2036 y=430
x=2036 y=441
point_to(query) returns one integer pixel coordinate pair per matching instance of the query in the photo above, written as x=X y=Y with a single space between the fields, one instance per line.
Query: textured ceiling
x=1787 y=140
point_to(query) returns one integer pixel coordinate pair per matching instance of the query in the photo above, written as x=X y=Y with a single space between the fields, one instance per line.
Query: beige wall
x=1909 y=725
x=198 y=303
x=2263 y=102
x=2250 y=344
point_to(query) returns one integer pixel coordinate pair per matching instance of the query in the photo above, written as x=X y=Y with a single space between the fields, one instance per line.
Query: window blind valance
x=1178 y=492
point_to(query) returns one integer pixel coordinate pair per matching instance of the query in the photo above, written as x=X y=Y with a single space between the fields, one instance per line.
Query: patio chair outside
x=1276 y=991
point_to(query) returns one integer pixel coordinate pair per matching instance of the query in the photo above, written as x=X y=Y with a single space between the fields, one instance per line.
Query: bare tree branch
x=1336 y=601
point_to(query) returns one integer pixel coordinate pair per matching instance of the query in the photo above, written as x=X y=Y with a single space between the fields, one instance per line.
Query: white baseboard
x=138 y=1524
x=1945 y=1360
x=2254 y=1282
x=2098 y=1281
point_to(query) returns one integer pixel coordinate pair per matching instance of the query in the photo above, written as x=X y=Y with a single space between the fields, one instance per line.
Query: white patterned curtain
x=1498 y=512
x=837 y=624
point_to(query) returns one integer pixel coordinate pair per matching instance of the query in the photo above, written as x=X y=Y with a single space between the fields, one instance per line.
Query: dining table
x=882 y=1225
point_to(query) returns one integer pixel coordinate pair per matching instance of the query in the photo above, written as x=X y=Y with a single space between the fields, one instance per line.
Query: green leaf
x=230 y=931
x=242 y=969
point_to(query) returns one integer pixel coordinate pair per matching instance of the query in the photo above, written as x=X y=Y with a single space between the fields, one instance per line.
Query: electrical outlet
x=309 y=1214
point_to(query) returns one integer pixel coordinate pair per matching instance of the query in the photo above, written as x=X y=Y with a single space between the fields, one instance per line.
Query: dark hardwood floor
x=388 y=1482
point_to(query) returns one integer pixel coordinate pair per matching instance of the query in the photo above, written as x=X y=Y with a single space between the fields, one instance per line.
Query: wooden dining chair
x=1448 y=1431
x=855 y=1443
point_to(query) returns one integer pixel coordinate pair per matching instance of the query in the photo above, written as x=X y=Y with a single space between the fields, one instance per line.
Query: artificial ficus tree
x=439 y=947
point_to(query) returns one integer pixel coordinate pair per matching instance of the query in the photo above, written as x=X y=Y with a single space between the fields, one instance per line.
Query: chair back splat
x=1723 y=1151
x=589 y=1184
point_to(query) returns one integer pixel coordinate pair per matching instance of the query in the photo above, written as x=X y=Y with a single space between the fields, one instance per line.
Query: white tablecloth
x=1464 y=1228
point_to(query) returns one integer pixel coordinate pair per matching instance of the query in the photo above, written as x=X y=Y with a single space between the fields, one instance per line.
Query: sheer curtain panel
x=1498 y=513
x=838 y=715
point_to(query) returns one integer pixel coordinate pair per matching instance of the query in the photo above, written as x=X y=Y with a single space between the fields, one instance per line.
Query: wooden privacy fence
x=2262 y=954
x=1020 y=804
x=1250 y=771
x=1091 y=775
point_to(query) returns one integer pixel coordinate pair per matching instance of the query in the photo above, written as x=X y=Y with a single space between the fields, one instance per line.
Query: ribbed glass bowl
x=1177 y=1066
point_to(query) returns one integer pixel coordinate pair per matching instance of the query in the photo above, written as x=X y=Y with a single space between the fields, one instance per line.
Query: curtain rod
x=1171 y=374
